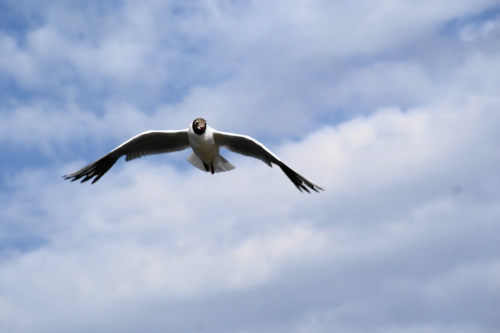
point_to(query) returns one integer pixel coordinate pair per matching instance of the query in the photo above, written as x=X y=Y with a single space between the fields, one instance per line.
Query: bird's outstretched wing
x=146 y=143
x=248 y=146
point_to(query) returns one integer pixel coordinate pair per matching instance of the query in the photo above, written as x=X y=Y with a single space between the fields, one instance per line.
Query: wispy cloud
x=391 y=107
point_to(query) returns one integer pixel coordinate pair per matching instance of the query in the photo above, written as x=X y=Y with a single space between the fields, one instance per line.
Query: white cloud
x=388 y=219
x=403 y=238
x=144 y=53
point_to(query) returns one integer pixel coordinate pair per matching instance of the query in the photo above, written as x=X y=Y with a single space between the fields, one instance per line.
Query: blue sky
x=392 y=106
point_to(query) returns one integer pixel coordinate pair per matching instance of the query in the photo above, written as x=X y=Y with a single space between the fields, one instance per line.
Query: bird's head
x=199 y=126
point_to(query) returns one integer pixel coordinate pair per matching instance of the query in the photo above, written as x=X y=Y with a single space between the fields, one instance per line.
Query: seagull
x=205 y=143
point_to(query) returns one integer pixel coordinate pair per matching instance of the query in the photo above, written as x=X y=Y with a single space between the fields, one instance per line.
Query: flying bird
x=205 y=143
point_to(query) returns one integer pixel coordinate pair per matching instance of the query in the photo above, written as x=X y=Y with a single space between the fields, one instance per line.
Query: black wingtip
x=94 y=170
x=302 y=183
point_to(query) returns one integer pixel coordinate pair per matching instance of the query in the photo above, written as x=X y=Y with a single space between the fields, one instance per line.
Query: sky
x=393 y=107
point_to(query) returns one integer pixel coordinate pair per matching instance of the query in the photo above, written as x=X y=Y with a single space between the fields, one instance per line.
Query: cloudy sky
x=392 y=106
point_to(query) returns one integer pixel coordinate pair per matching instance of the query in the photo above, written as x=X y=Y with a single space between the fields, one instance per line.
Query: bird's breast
x=204 y=146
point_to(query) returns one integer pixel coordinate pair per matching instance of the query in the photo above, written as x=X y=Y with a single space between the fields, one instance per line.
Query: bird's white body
x=204 y=145
x=206 y=151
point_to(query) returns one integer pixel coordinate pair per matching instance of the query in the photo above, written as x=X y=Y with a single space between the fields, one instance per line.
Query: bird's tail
x=220 y=163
